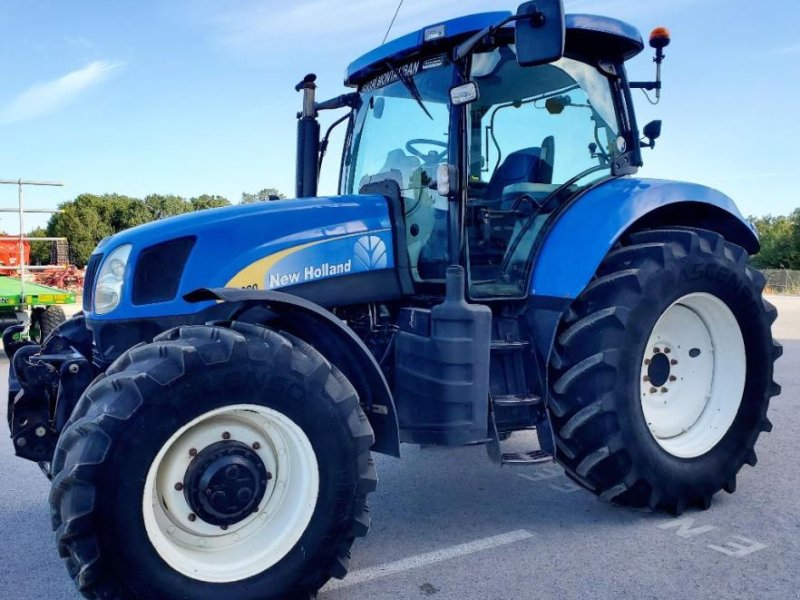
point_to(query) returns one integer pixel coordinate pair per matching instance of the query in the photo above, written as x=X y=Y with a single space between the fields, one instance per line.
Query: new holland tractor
x=491 y=265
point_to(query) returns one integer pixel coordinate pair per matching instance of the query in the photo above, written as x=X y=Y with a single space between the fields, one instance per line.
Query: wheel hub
x=658 y=371
x=693 y=375
x=225 y=483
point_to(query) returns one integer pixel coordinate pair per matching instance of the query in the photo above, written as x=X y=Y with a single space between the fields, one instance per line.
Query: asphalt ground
x=449 y=525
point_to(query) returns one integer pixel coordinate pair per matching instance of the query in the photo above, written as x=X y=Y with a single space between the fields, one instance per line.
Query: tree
x=89 y=218
x=264 y=195
x=40 y=251
x=780 y=242
x=162 y=207
x=205 y=201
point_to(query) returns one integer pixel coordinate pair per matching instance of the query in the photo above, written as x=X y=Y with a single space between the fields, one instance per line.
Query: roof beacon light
x=434 y=33
x=660 y=38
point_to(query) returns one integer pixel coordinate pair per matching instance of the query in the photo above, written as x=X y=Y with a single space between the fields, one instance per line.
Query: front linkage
x=44 y=385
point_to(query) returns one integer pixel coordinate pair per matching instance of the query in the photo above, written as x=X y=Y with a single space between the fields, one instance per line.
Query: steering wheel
x=432 y=157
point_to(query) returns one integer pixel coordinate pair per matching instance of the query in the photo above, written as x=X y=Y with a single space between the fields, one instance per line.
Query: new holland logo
x=370 y=252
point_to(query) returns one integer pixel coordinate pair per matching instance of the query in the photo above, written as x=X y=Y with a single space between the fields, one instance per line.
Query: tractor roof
x=586 y=35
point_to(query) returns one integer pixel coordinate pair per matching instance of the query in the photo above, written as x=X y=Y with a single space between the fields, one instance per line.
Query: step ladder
x=507 y=356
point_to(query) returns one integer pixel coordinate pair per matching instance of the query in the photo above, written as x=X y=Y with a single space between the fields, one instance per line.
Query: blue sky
x=197 y=96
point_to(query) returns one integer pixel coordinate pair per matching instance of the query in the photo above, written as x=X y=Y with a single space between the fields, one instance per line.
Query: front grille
x=88 y=284
x=159 y=269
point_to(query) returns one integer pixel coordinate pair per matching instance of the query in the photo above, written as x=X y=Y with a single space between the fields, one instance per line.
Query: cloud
x=49 y=96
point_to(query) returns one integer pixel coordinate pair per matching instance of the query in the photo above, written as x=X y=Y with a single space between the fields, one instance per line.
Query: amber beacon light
x=660 y=38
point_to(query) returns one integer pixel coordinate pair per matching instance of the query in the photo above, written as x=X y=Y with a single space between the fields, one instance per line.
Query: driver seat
x=529 y=165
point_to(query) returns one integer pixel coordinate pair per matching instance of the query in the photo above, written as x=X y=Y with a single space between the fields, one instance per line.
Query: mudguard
x=334 y=339
x=583 y=235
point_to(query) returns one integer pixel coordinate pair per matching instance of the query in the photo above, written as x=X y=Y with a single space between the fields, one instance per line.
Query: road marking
x=429 y=558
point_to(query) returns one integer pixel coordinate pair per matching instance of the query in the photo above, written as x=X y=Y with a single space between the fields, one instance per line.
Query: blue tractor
x=491 y=265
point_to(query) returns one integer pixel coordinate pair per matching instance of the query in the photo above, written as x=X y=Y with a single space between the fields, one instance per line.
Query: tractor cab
x=483 y=145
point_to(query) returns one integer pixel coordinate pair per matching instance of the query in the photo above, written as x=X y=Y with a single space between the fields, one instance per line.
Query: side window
x=536 y=134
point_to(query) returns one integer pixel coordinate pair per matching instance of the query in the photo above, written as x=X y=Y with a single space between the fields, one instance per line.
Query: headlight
x=108 y=290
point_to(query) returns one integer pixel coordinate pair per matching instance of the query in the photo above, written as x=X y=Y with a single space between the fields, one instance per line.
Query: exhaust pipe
x=308 y=134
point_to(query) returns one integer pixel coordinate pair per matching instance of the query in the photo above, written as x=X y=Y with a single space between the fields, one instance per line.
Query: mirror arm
x=645 y=85
x=467 y=47
x=351 y=100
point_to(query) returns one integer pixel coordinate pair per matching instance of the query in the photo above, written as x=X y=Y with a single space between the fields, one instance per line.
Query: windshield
x=536 y=135
x=401 y=134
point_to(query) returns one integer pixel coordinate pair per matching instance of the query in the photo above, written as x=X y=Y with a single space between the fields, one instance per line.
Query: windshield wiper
x=411 y=87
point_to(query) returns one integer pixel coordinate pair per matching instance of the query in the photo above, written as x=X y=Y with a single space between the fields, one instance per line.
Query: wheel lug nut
x=223 y=527
x=646 y=379
x=656 y=350
x=193 y=452
x=667 y=350
x=192 y=517
x=256 y=446
x=226 y=436
x=653 y=390
x=673 y=362
x=268 y=475
x=664 y=390
x=179 y=486
x=647 y=361
x=673 y=378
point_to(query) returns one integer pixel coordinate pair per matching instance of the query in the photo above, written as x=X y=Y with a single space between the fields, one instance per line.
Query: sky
x=195 y=97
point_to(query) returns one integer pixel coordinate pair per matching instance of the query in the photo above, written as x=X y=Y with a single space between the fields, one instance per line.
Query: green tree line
x=89 y=218
x=780 y=241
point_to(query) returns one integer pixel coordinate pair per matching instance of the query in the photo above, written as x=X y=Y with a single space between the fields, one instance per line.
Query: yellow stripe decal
x=253 y=275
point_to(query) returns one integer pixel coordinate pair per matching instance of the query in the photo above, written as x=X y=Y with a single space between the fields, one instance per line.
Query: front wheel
x=663 y=371
x=224 y=463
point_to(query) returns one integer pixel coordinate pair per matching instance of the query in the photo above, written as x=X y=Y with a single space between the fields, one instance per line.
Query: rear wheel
x=214 y=463
x=44 y=321
x=663 y=371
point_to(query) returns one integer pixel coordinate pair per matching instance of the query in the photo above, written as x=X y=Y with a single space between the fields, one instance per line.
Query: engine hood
x=268 y=245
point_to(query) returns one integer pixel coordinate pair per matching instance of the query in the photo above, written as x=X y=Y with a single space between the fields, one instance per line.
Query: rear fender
x=586 y=231
x=333 y=339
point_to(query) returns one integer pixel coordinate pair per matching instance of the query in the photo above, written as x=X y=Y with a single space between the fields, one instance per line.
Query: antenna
x=394 y=18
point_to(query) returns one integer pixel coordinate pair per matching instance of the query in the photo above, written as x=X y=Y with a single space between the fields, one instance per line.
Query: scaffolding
x=60 y=242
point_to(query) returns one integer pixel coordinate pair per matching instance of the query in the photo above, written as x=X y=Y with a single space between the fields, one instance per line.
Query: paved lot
x=449 y=525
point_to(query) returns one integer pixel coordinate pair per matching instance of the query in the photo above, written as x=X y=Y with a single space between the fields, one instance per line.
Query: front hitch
x=45 y=383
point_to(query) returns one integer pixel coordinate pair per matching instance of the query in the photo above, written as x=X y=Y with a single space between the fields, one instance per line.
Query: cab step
x=509 y=345
x=515 y=400
x=497 y=456
x=534 y=457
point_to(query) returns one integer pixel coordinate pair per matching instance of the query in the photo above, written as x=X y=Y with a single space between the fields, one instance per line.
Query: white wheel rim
x=206 y=552
x=693 y=375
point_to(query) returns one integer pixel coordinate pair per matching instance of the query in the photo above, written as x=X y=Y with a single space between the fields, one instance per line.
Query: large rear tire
x=663 y=371
x=215 y=463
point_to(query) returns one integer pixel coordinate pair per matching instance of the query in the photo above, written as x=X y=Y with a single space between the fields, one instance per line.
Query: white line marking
x=429 y=558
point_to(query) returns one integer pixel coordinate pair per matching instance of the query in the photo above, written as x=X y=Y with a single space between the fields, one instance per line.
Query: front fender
x=334 y=340
x=589 y=228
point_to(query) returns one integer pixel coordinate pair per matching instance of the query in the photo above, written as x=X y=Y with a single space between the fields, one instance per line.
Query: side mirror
x=540 y=32
x=466 y=93
x=652 y=131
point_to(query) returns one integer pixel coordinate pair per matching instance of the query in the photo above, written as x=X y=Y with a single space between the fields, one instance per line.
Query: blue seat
x=529 y=165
